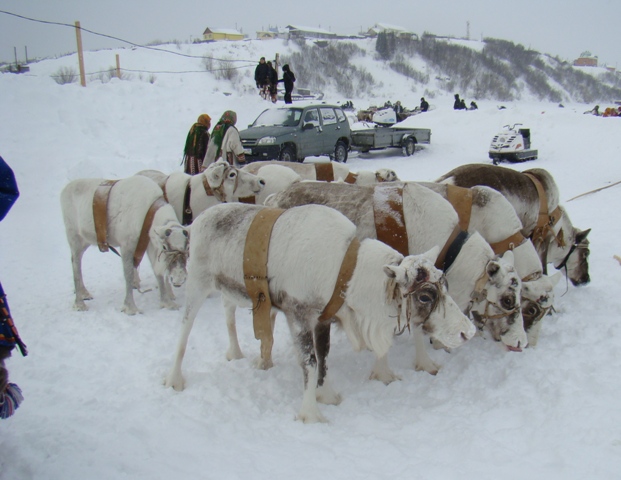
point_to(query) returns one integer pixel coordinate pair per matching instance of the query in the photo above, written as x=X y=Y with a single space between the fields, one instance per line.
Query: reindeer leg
x=303 y=340
x=234 y=352
x=81 y=293
x=195 y=297
x=129 y=305
x=267 y=343
x=325 y=392
x=382 y=372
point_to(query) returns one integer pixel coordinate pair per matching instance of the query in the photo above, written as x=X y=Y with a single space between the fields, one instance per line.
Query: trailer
x=379 y=138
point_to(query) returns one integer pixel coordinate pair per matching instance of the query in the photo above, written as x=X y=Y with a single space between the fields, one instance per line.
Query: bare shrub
x=65 y=75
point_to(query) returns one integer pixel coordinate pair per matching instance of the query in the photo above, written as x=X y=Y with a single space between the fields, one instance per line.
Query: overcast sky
x=559 y=27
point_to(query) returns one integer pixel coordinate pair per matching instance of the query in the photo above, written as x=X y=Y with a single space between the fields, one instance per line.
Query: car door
x=310 y=135
x=330 y=127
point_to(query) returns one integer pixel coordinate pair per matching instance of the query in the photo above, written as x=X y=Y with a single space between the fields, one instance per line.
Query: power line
x=47 y=22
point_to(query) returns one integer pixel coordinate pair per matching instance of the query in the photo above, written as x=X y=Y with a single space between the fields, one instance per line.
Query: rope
x=594 y=191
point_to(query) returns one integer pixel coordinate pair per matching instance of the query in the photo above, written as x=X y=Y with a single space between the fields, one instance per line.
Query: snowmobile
x=512 y=145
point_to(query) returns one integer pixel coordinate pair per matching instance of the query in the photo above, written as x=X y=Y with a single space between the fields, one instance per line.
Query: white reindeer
x=219 y=183
x=329 y=171
x=495 y=219
x=561 y=243
x=480 y=282
x=307 y=247
x=129 y=201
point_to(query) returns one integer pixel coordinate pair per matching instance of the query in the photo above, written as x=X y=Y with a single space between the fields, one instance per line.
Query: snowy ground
x=95 y=407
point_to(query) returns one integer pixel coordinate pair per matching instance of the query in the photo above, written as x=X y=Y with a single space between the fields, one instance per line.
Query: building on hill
x=296 y=31
x=211 y=34
x=271 y=33
x=399 y=32
x=586 y=60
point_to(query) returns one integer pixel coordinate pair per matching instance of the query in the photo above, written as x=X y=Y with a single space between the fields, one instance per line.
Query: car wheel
x=409 y=147
x=287 y=154
x=340 y=152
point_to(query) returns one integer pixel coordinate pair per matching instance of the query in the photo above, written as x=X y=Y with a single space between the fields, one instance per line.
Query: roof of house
x=310 y=29
x=226 y=31
x=381 y=27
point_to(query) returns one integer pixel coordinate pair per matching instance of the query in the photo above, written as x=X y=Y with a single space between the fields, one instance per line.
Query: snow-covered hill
x=94 y=402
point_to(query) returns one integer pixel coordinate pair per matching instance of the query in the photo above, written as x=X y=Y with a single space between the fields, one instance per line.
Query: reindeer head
x=230 y=183
x=172 y=247
x=423 y=288
x=386 y=175
x=495 y=305
x=537 y=300
x=569 y=250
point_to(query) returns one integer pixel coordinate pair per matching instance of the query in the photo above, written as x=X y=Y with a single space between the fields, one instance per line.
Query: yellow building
x=222 y=34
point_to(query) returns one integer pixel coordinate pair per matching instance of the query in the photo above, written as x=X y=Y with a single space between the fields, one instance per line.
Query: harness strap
x=461 y=200
x=100 y=213
x=255 y=270
x=541 y=229
x=143 y=240
x=508 y=243
x=187 y=209
x=324 y=172
x=451 y=248
x=351 y=177
x=217 y=192
x=345 y=273
x=162 y=185
x=389 y=218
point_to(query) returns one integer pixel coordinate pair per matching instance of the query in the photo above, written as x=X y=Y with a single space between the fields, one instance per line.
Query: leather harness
x=100 y=213
x=100 y=218
x=256 y=251
x=545 y=221
x=324 y=172
x=187 y=214
x=389 y=218
x=461 y=200
x=391 y=229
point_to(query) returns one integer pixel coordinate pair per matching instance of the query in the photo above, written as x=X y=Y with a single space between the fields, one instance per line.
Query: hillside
x=371 y=69
x=94 y=405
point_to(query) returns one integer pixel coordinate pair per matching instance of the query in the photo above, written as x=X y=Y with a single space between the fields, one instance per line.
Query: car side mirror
x=308 y=126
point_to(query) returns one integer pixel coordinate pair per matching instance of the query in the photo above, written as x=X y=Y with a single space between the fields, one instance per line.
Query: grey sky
x=559 y=27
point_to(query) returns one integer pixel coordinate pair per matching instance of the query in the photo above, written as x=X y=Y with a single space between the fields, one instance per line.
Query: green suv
x=291 y=133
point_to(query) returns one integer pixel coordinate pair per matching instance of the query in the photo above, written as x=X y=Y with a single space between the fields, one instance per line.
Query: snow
x=95 y=406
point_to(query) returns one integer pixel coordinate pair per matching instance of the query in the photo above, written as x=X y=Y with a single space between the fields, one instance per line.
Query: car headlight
x=267 y=141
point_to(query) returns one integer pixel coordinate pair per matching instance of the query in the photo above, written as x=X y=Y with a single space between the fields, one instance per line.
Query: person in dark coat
x=273 y=81
x=459 y=104
x=196 y=145
x=261 y=75
x=424 y=106
x=473 y=106
x=10 y=394
x=288 y=78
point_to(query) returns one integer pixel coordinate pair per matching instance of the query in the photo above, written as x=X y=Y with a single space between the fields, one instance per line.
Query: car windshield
x=284 y=117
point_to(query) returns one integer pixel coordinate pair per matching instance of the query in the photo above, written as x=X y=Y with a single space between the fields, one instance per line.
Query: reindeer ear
x=492 y=268
x=397 y=272
x=432 y=254
x=582 y=235
x=508 y=257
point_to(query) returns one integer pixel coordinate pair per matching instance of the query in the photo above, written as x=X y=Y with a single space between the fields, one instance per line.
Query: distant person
x=272 y=77
x=424 y=106
x=261 y=76
x=462 y=104
x=196 y=145
x=594 y=111
x=225 y=142
x=10 y=394
x=473 y=106
x=288 y=78
x=459 y=104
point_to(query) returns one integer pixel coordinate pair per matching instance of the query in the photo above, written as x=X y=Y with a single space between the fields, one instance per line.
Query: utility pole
x=468 y=30
x=78 y=34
